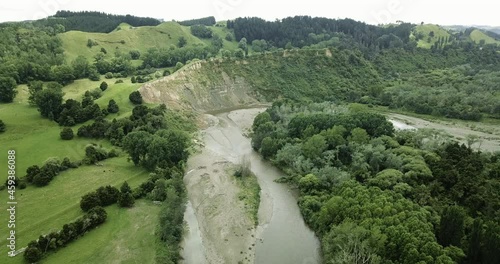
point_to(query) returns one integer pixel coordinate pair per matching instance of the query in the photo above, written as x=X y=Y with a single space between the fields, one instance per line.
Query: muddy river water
x=281 y=236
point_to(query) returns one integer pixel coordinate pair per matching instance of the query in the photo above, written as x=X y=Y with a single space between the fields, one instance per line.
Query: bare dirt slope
x=188 y=89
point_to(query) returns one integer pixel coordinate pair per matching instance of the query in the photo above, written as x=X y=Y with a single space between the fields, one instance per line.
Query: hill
x=225 y=83
x=478 y=36
x=429 y=34
x=126 y=38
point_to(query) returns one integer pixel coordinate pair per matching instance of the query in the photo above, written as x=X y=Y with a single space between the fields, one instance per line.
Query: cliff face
x=301 y=75
x=202 y=88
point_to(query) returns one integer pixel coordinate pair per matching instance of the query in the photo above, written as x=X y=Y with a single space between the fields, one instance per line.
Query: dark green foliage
x=49 y=101
x=300 y=31
x=28 y=52
x=7 y=89
x=167 y=58
x=135 y=98
x=113 y=107
x=2 y=126
x=52 y=242
x=376 y=196
x=67 y=133
x=47 y=172
x=182 y=42
x=103 y=86
x=135 y=54
x=94 y=154
x=34 y=87
x=201 y=31
x=125 y=198
x=207 y=21
x=103 y=196
x=32 y=255
x=89 y=201
x=88 y=21
x=452 y=226
x=63 y=74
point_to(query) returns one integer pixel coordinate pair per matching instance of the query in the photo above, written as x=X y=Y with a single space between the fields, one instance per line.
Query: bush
x=32 y=254
x=89 y=201
x=135 y=54
x=133 y=80
x=108 y=75
x=103 y=86
x=2 y=126
x=113 y=107
x=67 y=133
x=118 y=81
x=135 y=98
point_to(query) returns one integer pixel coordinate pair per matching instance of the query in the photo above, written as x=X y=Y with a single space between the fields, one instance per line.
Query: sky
x=442 y=12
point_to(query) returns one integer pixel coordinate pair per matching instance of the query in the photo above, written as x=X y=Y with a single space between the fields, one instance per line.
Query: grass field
x=425 y=30
x=47 y=209
x=42 y=210
x=125 y=237
x=478 y=35
x=140 y=38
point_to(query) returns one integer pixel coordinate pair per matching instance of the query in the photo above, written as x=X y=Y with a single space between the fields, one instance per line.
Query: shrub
x=135 y=98
x=135 y=54
x=118 y=81
x=108 y=75
x=2 y=126
x=67 y=133
x=89 y=201
x=103 y=86
x=113 y=107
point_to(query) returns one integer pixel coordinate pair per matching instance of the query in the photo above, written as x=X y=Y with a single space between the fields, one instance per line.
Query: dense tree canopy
x=373 y=195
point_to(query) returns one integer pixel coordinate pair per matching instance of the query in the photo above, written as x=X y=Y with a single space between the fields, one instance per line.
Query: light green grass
x=43 y=210
x=140 y=38
x=118 y=92
x=478 y=35
x=34 y=138
x=426 y=29
x=127 y=236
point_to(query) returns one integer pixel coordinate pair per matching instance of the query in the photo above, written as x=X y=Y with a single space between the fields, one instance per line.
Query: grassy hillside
x=124 y=238
x=425 y=31
x=43 y=210
x=478 y=35
x=126 y=38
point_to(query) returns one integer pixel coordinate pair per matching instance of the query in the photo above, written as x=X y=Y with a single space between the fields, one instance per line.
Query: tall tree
x=7 y=89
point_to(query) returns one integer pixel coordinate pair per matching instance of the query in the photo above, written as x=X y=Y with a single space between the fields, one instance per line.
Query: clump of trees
x=207 y=21
x=2 y=126
x=135 y=97
x=45 y=244
x=42 y=176
x=67 y=133
x=7 y=89
x=201 y=31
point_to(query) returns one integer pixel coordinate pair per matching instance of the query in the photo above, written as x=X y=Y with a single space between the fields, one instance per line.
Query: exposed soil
x=488 y=141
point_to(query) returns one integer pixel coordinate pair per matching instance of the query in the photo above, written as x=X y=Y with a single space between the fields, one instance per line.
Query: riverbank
x=227 y=230
x=486 y=141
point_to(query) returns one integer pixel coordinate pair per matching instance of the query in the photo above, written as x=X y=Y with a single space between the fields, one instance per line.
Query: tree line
x=90 y=21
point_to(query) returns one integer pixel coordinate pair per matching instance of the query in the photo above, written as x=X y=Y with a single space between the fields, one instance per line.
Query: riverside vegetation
x=369 y=192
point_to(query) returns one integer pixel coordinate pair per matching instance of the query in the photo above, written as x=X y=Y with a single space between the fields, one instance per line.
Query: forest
x=379 y=195
x=94 y=21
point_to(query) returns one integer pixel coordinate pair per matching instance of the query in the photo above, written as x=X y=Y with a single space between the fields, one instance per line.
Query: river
x=281 y=236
